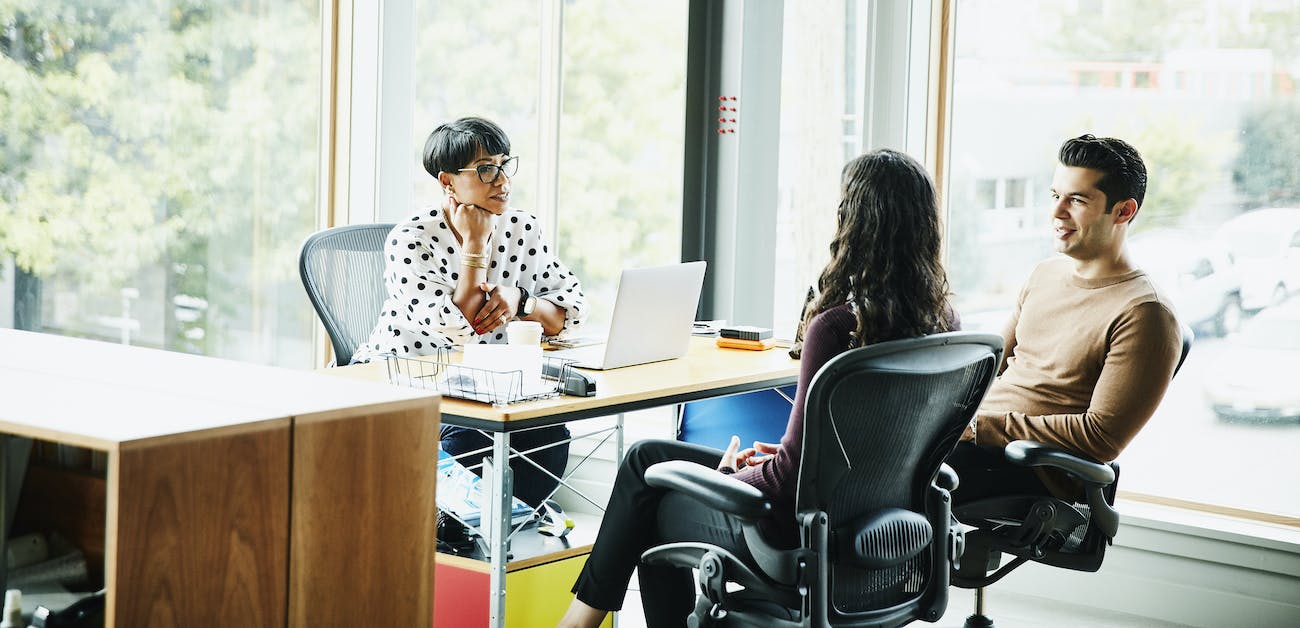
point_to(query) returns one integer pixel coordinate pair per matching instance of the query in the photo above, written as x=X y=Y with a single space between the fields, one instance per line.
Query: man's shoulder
x=1139 y=294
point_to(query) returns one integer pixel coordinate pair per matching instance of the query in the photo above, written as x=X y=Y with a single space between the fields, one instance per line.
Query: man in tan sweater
x=1092 y=342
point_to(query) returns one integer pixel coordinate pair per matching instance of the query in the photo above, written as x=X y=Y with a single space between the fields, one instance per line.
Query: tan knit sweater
x=1086 y=363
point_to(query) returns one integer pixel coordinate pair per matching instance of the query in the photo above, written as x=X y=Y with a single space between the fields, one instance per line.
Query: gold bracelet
x=474 y=263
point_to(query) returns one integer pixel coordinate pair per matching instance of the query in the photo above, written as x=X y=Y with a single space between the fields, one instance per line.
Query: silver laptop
x=653 y=314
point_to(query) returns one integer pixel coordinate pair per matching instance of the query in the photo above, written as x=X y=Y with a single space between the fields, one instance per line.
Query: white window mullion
x=375 y=101
x=549 y=108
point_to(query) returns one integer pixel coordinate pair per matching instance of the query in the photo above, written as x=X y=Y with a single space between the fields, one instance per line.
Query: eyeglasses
x=489 y=173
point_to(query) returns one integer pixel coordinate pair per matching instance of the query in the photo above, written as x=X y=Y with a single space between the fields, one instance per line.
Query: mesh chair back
x=879 y=421
x=343 y=271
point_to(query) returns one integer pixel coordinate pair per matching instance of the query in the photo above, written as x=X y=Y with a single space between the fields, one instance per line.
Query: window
x=620 y=95
x=621 y=130
x=476 y=60
x=1219 y=142
x=1014 y=195
x=158 y=171
x=822 y=92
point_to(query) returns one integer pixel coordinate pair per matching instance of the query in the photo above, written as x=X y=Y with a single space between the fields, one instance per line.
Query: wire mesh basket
x=450 y=379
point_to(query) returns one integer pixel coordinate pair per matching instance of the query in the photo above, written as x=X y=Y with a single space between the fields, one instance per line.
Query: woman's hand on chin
x=473 y=223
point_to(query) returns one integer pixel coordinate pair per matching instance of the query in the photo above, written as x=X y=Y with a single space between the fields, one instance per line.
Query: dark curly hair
x=885 y=255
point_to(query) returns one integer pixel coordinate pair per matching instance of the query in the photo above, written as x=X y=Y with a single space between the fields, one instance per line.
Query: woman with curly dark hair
x=885 y=281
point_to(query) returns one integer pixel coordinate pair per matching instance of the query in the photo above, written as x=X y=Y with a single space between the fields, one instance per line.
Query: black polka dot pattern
x=424 y=265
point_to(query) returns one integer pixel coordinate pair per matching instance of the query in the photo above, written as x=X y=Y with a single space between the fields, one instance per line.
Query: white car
x=1254 y=379
x=1265 y=248
x=1196 y=273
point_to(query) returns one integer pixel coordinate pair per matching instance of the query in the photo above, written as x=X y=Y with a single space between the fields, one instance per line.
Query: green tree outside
x=165 y=146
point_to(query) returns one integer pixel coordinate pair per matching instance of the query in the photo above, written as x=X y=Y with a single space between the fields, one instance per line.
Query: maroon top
x=827 y=336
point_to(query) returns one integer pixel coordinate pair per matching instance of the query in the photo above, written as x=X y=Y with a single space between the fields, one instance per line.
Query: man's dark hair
x=453 y=145
x=1123 y=175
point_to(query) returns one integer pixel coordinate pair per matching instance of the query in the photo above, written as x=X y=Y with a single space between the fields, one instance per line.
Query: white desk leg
x=618 y=460
x=618 y=440
x=499 y=528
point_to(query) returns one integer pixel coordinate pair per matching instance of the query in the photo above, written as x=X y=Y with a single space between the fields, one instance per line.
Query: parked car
x=1196 y=273
x=1265 y=248
x=1254 y=378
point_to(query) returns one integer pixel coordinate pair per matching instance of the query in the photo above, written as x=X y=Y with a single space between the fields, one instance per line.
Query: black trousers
x=531 y=484
x=983 y=471
x=639 y=517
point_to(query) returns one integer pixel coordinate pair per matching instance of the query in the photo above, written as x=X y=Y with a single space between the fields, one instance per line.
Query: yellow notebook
x=752 y=345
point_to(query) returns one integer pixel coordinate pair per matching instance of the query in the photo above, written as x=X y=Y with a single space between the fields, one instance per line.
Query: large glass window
x=621 y=98
x=475 y=59
x=158 y=171
x=1207 y=92
x=822 y=64
x=621 y=131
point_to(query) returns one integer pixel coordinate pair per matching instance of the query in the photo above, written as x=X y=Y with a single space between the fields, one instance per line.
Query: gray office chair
x=1047 y=530
x=872 y=501
x=342 y=269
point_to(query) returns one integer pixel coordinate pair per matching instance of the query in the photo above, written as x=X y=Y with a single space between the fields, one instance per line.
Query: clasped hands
x=735 y=458
x=499 y=306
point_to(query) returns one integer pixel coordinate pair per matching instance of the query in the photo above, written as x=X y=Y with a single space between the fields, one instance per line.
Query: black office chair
x=342 y=269
x=872 y=502
x=1047 y=530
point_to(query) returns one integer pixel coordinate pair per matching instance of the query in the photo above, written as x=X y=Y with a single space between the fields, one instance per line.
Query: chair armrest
x=947 y=478
x=1028 y=453
x=709 y=487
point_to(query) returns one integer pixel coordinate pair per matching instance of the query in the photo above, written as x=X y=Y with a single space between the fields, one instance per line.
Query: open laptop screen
x=653 y=314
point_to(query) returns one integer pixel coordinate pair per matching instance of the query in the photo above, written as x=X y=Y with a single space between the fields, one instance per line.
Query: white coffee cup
x=524 y=333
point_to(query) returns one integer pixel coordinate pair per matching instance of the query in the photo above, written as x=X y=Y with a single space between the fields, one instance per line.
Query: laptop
x=653 y=315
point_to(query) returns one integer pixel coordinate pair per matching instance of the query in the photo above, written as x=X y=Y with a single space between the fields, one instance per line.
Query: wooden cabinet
x=239 y=494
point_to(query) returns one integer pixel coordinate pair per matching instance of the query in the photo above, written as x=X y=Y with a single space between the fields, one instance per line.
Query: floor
x=1009 y=610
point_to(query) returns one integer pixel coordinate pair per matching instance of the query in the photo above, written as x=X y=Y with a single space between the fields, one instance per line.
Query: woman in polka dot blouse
x=464 y=267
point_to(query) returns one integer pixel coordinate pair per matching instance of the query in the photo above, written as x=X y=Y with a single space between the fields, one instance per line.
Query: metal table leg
x=4 y=511
x=618 y=440
x=618 y=460
x=499 y=528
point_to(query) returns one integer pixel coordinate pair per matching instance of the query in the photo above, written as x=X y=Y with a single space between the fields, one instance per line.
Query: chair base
x=978 y=621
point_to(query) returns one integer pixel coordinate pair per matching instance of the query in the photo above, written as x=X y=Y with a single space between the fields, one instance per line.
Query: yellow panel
x=538 y=596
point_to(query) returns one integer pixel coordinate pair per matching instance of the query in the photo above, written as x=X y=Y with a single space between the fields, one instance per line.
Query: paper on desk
x=497 y=373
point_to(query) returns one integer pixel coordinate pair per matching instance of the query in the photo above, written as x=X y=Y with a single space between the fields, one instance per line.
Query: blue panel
x=760 y=415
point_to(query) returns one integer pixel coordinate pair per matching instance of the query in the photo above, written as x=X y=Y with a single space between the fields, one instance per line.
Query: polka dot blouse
x=423 y=267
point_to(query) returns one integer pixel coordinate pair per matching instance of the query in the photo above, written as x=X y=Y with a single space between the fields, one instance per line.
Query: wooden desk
x=706 y=371
x=240 y=494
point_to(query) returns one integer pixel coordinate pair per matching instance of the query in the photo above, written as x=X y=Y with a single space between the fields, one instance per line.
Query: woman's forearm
x=550 y=315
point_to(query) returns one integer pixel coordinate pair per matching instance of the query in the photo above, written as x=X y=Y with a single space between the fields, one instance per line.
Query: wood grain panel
x=363 y=517
x=201 y=531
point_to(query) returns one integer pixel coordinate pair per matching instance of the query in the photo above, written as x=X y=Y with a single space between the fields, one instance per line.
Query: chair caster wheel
x=978 y=621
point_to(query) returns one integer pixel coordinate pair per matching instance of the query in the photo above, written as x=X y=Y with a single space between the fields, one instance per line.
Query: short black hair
x=1123 y=174
x=453 y=145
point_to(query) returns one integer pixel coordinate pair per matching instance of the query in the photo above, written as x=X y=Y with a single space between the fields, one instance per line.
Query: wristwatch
x=527 y=303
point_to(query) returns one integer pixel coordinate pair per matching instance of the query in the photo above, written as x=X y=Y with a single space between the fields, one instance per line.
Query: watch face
x=529 y=305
